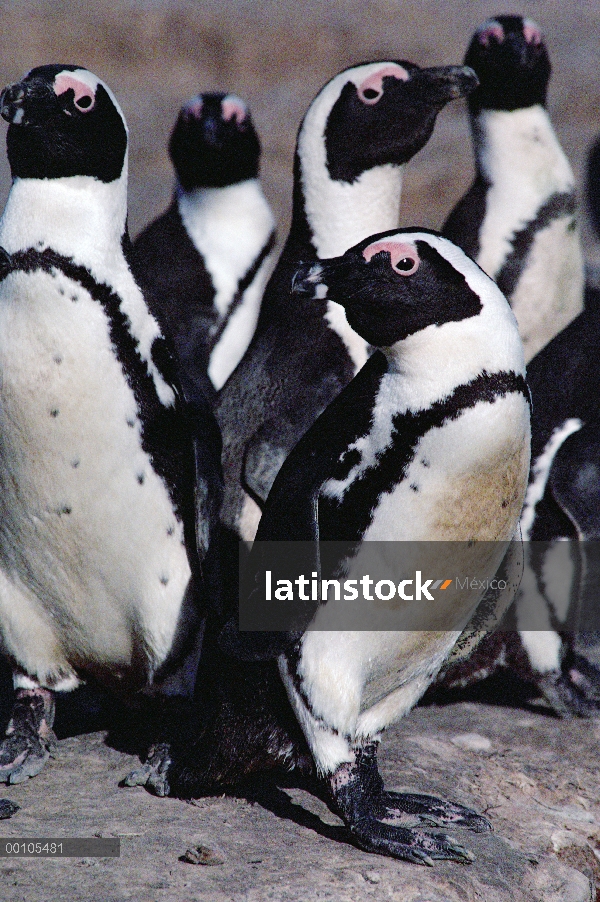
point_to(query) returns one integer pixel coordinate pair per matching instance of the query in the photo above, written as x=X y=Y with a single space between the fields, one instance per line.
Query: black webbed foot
x=154 y=772
x=29 y=738
x=391 y=823
x=432 y=811
x=574 y=690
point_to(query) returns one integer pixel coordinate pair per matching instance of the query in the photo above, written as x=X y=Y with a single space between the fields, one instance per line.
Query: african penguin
x=204 y=263
x=109 y=485
x=430 y=441
x=561 y=503
x=352 y=144
x=518 y=219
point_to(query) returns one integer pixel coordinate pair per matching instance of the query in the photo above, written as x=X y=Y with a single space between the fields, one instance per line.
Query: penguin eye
x=406 y=266
x=403 y=256
x=84 y=98
x=370 y=91
x=84 y=103
x=370 y=95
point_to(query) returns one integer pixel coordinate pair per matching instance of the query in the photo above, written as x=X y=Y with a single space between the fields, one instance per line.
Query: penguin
x=428 y=444
x=110 y=485
x=559 y=524
x=358 y=133
x=204 y=263
x=518 y=219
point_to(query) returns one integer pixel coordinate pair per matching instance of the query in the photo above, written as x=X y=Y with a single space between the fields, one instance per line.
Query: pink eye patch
x=490 y=31
x=371 y=89
x=84 y=98
x=532 y=33
x=233 y=108
x=193 y=108
x=403 y=257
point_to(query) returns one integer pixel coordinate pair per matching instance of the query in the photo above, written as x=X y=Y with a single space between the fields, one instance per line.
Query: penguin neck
x=79 y=217
x=340 y=214
x=519 y=150
x=234 y=220
x=424 y=370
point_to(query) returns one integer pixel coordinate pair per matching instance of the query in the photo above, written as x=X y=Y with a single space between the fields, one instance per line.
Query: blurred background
x=277 y=54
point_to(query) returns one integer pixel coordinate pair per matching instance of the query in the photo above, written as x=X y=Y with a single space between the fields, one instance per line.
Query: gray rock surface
x=533 y=776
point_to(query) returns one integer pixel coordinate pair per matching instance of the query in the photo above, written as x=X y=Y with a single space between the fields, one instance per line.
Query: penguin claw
x=432 y=811
x=391 y=823
x=29 y=740
x=418 y=846
x=154 y=773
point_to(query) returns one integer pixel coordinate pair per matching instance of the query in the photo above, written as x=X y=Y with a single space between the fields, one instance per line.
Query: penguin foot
x=154 y=772
x=432 y=811
x=389 y=823
x=573 y=691
x=29 y=738
x=7 y=808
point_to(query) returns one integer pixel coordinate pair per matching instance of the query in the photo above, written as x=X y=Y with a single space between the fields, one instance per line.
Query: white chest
x=87 y=527
x=524 y=164
x=229 y=228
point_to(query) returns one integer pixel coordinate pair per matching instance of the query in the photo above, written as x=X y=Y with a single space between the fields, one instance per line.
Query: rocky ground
x=534 y=776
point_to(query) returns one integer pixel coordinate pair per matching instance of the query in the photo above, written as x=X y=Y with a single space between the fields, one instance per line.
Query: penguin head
x=377 y=114
x=408 y=282
x=214 y=142
x=64 y=122
x=510 y=58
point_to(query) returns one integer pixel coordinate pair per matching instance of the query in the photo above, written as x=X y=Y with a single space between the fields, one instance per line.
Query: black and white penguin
x=561 y=504
x=428 y=443
x=518 y=219
x=109 y=486
x=204 y=263
x=352 y=144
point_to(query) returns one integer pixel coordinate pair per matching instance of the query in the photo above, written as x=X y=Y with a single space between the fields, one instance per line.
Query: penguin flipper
x=575 y=480
x=489 y=614
x=465 y=220
x=264 y=455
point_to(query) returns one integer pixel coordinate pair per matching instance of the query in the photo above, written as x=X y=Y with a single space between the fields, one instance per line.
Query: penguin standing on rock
x=428 y=443
x=109 y=486
x=352 y=144
x=204 y=263
x=518 y=220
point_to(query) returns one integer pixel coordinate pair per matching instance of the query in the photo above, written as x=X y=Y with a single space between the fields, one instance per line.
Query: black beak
x=442 y=84
x=12 y=102
x=306 y=282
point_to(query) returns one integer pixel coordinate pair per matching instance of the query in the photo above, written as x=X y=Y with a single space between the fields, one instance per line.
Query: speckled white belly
x=93 y=567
